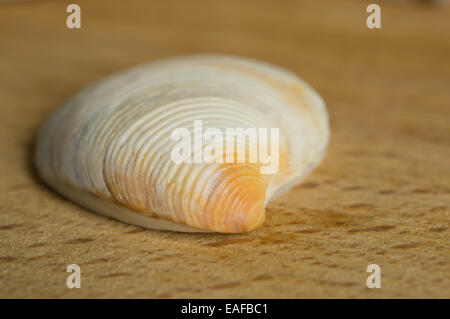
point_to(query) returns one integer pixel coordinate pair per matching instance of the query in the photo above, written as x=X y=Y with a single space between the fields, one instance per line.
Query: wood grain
x=382 y=194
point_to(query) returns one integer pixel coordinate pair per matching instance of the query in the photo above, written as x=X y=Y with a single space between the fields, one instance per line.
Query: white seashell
x=109 y=147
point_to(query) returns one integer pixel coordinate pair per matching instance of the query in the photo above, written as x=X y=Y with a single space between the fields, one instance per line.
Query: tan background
x=382 y=194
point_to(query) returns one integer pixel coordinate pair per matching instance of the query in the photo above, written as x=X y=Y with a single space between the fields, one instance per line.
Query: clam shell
x=109 y=147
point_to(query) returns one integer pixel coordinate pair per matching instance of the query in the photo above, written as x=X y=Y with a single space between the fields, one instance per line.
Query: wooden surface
x=382 y=194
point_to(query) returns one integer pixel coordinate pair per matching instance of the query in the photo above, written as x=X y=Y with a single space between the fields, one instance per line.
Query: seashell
x=110 y=147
